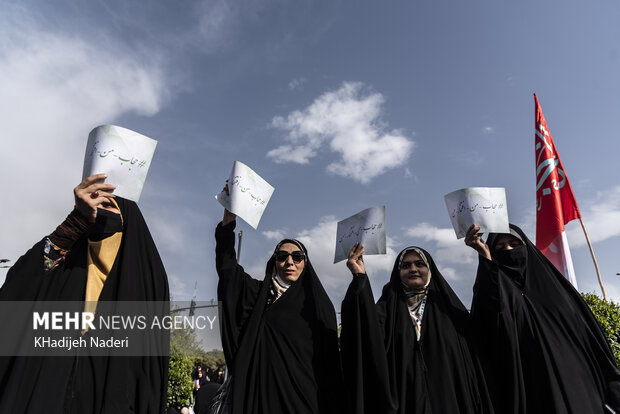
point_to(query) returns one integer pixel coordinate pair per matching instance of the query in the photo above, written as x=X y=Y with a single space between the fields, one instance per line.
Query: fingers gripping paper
x=124 y=155
x=484 y=206
x=366 y=227
x=248 y=194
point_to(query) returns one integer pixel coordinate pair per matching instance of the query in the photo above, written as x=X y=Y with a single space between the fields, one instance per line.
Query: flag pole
x=598 y=272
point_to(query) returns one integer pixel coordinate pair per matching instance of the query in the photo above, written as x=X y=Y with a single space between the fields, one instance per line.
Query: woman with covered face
x=102 y=252
x=540 y=346
x=279 y=334
x=409 y=353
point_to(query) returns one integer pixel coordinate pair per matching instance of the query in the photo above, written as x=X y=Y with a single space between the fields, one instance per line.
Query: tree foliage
x=185 y=342
x=608 y=315
x=214 y=360
x=185 y=346
x=179 y=380
x=185 y=353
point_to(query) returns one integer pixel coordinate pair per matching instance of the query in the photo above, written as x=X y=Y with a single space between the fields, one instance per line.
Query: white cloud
x=346 y=121
x=447 y=247
x=601 y=217
x=276 y=235
x=488 y=129
x=297 y=84
x=448 y=273
x=55 y=88
x=289 y=153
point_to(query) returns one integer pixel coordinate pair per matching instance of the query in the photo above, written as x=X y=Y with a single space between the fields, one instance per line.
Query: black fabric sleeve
x=363 y=352
x=24 y=278
x=236 y=290
x=225 y=257
x=328 y=367
x=487 y=290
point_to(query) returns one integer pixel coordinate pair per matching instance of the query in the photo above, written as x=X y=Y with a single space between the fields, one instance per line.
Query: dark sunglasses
x=282 y=255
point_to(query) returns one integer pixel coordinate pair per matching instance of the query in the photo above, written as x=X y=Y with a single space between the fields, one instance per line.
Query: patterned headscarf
x=416 y=297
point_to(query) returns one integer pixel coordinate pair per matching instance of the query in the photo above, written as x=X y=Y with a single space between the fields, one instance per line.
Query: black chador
x=410 y=352
x=82 y=383
x=541 y=347
x=282 y=354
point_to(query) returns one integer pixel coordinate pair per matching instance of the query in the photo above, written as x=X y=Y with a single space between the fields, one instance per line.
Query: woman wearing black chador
x=540 y=346
x=102 y=252
x=279 y=334
x=410 y=352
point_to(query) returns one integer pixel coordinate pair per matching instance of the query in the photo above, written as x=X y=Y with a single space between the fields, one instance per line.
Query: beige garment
x=100 y=258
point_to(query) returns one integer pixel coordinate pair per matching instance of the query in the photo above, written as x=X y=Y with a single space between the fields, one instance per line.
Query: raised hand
x=474 y=240
x=92 y=193
x=355 y=262
x=228 y=216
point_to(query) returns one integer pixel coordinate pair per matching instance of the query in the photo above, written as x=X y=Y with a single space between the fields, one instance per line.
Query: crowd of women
x=529 y=345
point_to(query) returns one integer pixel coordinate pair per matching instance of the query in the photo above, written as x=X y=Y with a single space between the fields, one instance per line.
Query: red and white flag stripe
x=555 y=201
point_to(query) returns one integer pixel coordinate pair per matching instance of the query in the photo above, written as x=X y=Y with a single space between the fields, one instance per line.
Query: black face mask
x=514 y=263
x=106 y=224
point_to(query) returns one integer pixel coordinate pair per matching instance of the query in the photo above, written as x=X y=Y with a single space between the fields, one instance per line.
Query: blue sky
x=339 y=105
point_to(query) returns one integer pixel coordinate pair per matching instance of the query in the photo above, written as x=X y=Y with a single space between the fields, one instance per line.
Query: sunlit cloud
x=347 y=122
x=55 y=88
x=275 y=235
x=448 y=249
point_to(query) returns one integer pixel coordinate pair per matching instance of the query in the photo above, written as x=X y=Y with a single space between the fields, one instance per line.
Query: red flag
x=555 y=201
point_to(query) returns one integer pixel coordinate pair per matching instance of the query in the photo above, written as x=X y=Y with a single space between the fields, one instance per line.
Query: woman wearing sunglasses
x=279 y=334
x=409 y=353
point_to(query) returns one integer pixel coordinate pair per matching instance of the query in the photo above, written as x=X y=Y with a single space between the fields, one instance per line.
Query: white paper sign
x=484 y=206
x=124 y=155
x=249 y=194
x=366 y=227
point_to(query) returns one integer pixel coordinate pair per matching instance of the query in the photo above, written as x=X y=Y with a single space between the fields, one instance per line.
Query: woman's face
x=506 y=242
x=413 y=271
x=290 y=262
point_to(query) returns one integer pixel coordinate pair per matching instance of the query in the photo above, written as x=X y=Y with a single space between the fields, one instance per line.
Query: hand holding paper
x=90 y=194
x=355 y=262
x=473 y=239
x=366 y=228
